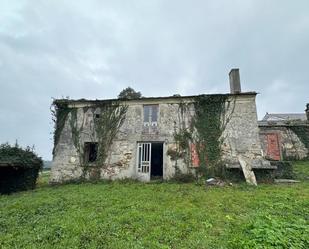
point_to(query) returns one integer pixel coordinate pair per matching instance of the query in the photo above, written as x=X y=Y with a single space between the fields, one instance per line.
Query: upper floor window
x=151 y=115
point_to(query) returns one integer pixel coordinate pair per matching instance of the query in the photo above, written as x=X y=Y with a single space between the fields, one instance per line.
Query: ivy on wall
x=211 y=115
x=60 y=111
x=106 y=125
x=302 y=132
x=76 y=136
x=204 y=129
x=182 y=137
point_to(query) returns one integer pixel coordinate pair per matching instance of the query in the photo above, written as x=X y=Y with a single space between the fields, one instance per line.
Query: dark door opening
x=156 y=160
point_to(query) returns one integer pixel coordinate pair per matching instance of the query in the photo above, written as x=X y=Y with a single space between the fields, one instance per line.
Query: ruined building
x=155 y=137
x=285 y=136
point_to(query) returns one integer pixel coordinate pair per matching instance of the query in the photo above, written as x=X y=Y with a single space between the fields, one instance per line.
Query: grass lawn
x=157 y=215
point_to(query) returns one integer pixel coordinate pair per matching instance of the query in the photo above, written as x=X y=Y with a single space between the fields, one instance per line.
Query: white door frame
x=143 y=161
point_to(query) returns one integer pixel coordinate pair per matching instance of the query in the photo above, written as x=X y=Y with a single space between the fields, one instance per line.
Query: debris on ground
x=246 y=167
x=286 y=181
x=216 y=182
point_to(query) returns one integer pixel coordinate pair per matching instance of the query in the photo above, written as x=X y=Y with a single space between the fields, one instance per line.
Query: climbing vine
x=212 y=113
x=302 y=132
x=74 y=129
x=76 y=136
x=60 y=111
x=210 y=110
x=107 y=125
x=107 y=118
x=182 y=136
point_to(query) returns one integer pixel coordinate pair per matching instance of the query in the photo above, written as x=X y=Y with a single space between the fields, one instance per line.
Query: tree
x=129 y=93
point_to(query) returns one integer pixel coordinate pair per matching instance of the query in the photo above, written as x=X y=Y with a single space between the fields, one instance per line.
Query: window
x=97 y=113
x=91 y=152
x=151 y=115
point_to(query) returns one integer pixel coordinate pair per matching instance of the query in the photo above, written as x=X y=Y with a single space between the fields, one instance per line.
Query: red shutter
x=194 y=156
x=273 y=150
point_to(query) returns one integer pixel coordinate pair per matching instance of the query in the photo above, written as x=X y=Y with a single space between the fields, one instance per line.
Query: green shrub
x=234 y=175
x=284 y=169
x=19 y=168
x=301 y=170
x=267 y=231
x=183 y=177
x=264 y=175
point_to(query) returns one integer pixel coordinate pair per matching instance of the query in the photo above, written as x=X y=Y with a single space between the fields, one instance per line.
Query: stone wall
x=290 y=145
x=240 y=137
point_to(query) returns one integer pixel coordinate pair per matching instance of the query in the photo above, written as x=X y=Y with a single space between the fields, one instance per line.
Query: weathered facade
x=285 y=136
x=143 y=147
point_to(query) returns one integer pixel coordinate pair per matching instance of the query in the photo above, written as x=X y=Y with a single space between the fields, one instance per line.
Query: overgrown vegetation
x=19 y=168
x=212 y=114
x=107 y=117
x=284 y=169
x=107 y=125
x=270 y=231
x=60 y=112
x=209 y=123
x=127 y=215
x=302 y=131
x=301 y=170
x=183 y=137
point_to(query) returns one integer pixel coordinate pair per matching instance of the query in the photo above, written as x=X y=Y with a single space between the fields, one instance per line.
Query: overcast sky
x=94 y=49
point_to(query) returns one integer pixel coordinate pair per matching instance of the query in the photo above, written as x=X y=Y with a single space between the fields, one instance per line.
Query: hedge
x=19 y=168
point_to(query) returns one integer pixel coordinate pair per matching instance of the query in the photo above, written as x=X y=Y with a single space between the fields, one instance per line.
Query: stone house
x=141 y=138
x=285 y=136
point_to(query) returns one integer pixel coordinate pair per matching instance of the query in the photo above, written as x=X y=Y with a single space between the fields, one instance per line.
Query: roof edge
x=93 y=101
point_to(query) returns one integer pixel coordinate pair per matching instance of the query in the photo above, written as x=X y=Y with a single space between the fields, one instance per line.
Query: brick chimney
x=307 y=111
x=235 y=81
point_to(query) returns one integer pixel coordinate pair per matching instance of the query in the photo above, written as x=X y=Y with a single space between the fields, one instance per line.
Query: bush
x=19 y=168
x=284 y=169
x=183 y=177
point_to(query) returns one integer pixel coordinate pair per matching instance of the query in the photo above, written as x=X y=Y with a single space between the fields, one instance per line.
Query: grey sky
x=93 y=49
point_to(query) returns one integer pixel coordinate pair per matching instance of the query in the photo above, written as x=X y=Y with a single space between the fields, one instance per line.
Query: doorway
x=156 y=169
x=149 y=161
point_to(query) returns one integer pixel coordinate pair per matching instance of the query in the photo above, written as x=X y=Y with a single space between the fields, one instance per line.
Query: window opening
x=91 y=152
x=151 y=115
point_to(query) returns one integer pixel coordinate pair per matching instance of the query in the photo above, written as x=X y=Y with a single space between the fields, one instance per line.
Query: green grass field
x=157 y=215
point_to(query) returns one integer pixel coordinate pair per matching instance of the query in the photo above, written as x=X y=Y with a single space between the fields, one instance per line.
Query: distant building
x=284 y=117
x=285 y=136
